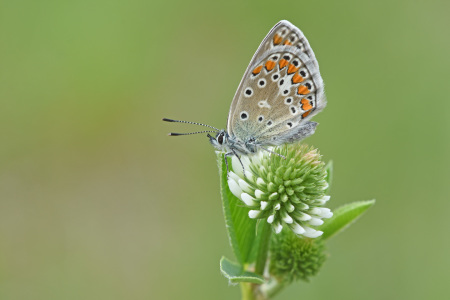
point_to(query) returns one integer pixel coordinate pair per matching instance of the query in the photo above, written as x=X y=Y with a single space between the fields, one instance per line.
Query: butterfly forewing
x=281 y=89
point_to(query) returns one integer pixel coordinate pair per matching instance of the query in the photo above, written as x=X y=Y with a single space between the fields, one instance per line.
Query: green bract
x=286 y=192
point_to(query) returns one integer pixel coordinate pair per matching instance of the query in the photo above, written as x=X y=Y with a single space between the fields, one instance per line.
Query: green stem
x=263 y=249
x=250 y=291
x=247 y=291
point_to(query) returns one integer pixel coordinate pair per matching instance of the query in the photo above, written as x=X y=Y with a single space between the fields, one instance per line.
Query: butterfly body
x=230 y=143
x=280 y=92
x=233 y=145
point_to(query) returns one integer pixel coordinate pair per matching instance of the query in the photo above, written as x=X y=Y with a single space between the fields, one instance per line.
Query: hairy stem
x=263 y=249
x=247 y=291
x=252 y=291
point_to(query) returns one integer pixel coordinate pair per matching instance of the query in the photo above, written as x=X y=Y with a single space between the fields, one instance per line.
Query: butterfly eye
x=220 y=139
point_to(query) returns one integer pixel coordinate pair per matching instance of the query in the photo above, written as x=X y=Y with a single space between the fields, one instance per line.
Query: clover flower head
x=294 y=258
x=285 y=192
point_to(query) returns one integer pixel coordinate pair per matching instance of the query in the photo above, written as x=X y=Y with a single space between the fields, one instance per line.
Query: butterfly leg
x=226 y=160
x=243 y=169
x=235 y=154
x=270 y=151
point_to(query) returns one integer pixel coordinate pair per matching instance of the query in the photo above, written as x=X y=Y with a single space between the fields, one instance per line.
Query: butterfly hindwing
x=280 y=91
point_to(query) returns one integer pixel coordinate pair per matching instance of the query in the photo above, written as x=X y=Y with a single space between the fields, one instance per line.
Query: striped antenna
x=177 y=134
x=188 y=122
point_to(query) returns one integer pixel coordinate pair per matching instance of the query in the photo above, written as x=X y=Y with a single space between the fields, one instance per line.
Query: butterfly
x=280 y=92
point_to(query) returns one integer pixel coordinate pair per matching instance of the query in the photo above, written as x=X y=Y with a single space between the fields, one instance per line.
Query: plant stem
x=250 y=291
x=263 y=249
x=247 y=291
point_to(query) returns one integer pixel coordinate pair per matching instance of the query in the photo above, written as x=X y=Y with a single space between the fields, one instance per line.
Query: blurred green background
x=96 y=202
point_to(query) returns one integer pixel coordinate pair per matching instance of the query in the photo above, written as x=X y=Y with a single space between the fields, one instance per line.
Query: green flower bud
x=294 y=258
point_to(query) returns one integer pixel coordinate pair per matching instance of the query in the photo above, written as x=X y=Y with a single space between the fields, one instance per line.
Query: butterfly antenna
x=177 y=134
x=188 y=122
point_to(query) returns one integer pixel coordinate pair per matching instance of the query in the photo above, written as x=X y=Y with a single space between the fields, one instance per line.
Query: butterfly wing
x=280 y=91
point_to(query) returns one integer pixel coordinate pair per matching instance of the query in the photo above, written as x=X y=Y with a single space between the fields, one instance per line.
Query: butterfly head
x=220 y=141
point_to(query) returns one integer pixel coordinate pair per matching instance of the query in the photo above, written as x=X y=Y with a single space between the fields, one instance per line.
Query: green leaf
x=329 y=178
x=260 y=243
x=343 y=217
x=235 y=273
x=241 y=229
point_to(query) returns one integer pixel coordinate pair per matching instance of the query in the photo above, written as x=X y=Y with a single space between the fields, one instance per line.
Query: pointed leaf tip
x=343 y=217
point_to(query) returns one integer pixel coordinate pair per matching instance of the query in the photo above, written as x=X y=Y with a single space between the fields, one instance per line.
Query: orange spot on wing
x=297 y=78
x=277 y=39
x=270 y=65
x=286 y=42
x=292 y=69
x=303 y=90
x=306 y=114
x=283 y=63
x=306 y=105
x=257 y=70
